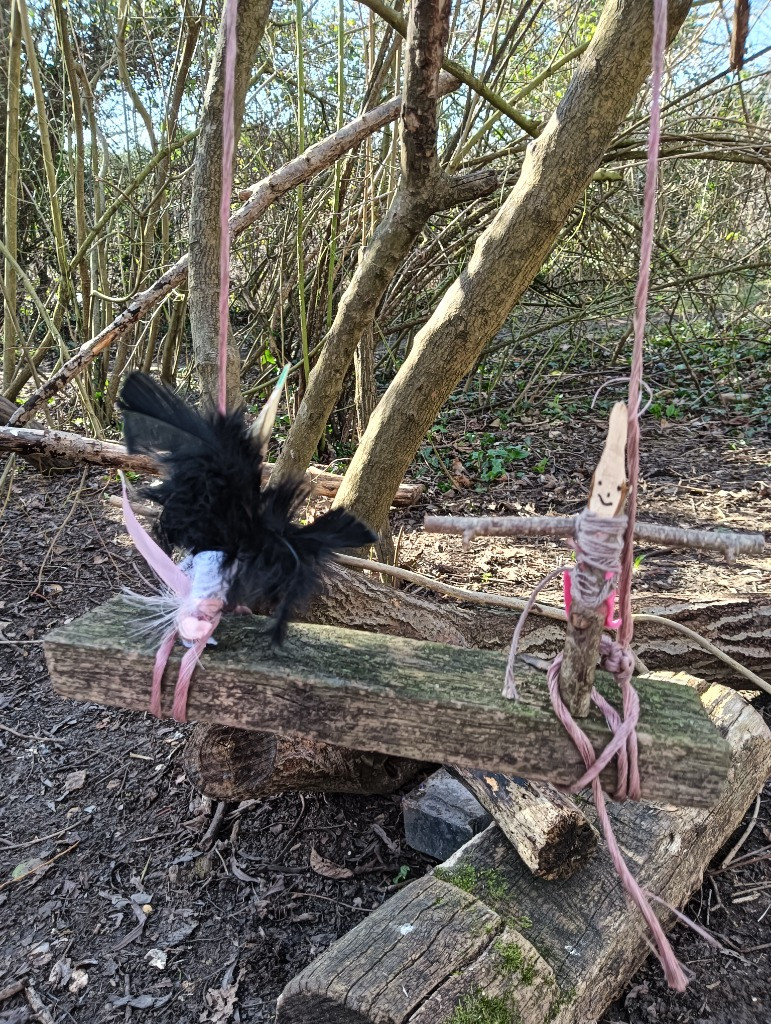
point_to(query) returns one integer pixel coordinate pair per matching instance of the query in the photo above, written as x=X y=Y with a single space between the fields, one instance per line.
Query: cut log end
x=549 y=832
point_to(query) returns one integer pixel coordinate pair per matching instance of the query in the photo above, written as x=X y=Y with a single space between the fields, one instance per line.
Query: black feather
x=212 y=499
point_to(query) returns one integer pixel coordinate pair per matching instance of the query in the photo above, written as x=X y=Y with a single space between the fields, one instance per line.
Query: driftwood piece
x=48 y=446
x=233 y=764
x=401 y=697
x=549 y=832
x=483 y=934
x=728 y=543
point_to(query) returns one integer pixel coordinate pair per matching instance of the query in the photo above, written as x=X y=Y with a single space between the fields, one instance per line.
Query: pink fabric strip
x=228 y=145
x=163 y=567
x=161 y=659
x=186 y=669
x=641 y=303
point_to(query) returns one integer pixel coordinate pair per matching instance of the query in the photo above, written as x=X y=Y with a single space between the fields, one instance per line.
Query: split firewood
x=549 y=832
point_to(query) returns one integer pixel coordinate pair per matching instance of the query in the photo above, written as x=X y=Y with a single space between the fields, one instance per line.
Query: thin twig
x=32 y=842
x=475 y=596
x=58 y=533
x=39 y=867
x=37 y=1006
x=744 y=836
x=11 y=990
x=207 y=841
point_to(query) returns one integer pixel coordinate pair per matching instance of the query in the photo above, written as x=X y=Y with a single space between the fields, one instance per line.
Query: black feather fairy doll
x=244 y=546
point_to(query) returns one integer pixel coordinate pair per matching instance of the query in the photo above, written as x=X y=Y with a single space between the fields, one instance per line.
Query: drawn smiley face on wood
x=608 y=490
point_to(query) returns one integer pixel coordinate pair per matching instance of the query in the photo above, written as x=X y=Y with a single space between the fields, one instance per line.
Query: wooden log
x=387 y=694
x=549 y=832
x=49 y=446
x=233 y=764
x=482 y=939
x=547 y=828
x=740 y=625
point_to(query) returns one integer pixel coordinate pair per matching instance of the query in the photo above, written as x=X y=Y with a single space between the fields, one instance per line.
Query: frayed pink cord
x=623 y=732
x=626 y=629
x=161 y=658
x=228 y=145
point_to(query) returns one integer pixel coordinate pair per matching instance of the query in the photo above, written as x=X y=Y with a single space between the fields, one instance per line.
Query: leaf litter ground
x=118 y=901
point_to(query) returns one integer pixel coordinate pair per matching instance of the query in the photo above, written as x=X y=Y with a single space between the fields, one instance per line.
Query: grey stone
x=440 y=815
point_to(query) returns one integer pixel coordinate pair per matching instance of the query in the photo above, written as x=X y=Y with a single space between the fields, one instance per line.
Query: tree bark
x=423 y=190
x=483 y=934
x=205 y=199
x=557 y=168
x=11 y=193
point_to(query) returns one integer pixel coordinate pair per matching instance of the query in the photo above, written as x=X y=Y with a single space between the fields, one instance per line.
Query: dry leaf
x=221 y=1004
x=327 y=868
x=75 y=780
x=78 y=982
x=157 y=958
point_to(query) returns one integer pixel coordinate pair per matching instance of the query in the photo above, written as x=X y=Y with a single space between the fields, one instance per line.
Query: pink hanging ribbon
x=208 y=612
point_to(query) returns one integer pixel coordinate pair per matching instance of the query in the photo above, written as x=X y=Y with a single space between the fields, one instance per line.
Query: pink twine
x=641 y=303
x=228 y=145
x=162 y=656
x=206 y=614
x=616 y=657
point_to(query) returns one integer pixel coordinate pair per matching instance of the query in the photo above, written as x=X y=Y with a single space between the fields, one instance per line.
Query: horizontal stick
x=62 y=445
x=406 y=698
x=726 y=542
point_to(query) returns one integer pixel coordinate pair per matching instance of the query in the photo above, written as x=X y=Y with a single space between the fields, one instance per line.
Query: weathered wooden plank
x=556 y=952
x=401 y=697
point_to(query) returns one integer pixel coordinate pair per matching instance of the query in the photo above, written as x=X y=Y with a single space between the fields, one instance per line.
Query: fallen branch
x=316 y=158
x=727 y=543
x=46 y=447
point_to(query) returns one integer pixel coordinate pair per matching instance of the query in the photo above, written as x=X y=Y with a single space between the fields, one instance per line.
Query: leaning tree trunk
x=423 y=190
x=557 y=168
x=204 y=206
